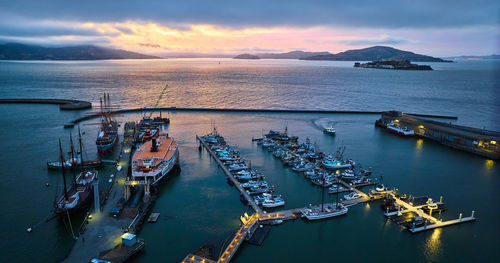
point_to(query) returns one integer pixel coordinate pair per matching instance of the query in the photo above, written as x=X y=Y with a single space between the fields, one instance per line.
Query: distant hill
x=475 y=57
x=246 y=56
x=376 y=53
x=15 y=51
x=292 y=55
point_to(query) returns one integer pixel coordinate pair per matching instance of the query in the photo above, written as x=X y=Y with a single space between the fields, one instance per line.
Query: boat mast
x=63 y=175
x=322 y=192
x=73 y=163
x=81 y=149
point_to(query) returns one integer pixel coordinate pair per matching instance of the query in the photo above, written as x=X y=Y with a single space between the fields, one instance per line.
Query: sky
x=162 y=27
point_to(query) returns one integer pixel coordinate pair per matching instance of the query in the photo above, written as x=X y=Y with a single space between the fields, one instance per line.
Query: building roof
x=128 y=236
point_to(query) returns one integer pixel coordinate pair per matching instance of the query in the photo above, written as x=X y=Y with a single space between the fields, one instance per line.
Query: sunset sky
x=439 y=28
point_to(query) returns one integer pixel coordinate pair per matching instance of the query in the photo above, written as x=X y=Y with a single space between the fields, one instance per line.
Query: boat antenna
x=73 y=162
x=63 y=175
x=338 y=186
x=81 y=149
x=322 y=192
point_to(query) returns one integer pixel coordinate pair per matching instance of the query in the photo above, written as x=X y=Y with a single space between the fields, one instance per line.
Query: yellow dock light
x=396 y=120
x=493 y=142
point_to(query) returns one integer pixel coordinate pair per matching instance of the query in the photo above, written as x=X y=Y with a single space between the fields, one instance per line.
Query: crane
x=159 y=99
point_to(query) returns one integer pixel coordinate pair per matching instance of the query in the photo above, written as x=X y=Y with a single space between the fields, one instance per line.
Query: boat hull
x=104 y=148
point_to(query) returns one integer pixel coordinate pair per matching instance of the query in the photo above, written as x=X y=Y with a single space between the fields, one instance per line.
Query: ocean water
x=197 y=206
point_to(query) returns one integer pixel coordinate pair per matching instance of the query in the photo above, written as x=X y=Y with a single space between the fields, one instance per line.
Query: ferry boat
x=108 y=130
x=324 y=211
x=155 y=159
x=397 y=129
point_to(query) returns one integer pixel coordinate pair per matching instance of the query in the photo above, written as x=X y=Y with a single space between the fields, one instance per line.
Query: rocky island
x=246 y=56
x=392 y=64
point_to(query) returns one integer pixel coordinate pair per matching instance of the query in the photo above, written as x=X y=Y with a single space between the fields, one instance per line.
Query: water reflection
x=433 y=246
x=489 y=164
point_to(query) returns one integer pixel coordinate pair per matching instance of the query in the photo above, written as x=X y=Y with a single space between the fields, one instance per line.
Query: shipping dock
x=477 y=141
x=103 y=235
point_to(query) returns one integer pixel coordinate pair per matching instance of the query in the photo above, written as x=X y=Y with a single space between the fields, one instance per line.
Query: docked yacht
x=324 y=211
x=398 y=129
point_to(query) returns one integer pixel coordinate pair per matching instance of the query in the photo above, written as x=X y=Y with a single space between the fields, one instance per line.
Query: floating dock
x=236 y=183
x=432 y=221
x=478 y=141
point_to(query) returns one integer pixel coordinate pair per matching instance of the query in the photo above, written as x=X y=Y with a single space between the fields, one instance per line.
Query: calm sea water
x=198 y=207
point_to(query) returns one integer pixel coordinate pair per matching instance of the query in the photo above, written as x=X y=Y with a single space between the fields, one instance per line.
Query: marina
x=199 y=208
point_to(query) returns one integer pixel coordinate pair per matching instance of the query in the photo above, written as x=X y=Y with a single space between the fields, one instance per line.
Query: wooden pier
x=236 y=183
x=433 y=222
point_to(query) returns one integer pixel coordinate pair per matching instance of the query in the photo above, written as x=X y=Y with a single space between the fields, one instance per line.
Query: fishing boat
x=352 y=196
x=324 y=211
x=398 y=129
x=79 y=195
x=329 y=130
x=155 y=159
x=335 y=164
x=108 y=130
x=272 y=201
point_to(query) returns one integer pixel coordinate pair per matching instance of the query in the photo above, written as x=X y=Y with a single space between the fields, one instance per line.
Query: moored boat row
x=252 y=181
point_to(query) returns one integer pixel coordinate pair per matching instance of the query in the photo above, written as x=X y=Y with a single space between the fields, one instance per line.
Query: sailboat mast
x=73 y=162
x=63 y=175
x=81 y=148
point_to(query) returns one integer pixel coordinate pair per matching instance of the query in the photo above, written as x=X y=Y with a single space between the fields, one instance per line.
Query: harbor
x=276 y=141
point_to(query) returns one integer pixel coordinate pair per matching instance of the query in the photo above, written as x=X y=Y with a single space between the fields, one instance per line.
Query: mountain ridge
x=17 y=51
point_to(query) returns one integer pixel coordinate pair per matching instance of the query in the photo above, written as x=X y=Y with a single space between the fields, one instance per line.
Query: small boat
x=275 y=222
x=259 y=199
x=324 y=211
x=380 y=188
x=335 y=164
x=237 y=167
x=272 y=200
x=352 y=196
x=397 y=129
x=254 y=184
x=335 y=188
x=329 y=130
x=431 y=205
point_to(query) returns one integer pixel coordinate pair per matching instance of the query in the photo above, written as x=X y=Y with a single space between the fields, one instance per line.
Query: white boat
x=352 y=196
x=329 y=210
x=397 y=129
x=155 y=159
x=272 y=201
x=335 y=188
x=329 y=130
x=335 y=164
x=237 y=167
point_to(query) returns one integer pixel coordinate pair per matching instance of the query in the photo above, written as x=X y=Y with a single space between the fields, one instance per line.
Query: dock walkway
x=237 y=184
x=433 y=222
x=103 y=232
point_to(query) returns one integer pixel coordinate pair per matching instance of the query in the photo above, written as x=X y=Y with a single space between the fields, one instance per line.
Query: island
x=246 y=56
x=376 y=53
x=392 y=64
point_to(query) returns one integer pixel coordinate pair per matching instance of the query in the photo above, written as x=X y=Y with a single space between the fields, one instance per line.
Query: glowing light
x=489 y=164
x=493 y=142
x=420 y=143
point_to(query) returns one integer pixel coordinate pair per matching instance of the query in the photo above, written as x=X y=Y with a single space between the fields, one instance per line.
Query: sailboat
x=324 y=211
x=74 y=161
x=79 y=195
x=108 y=132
